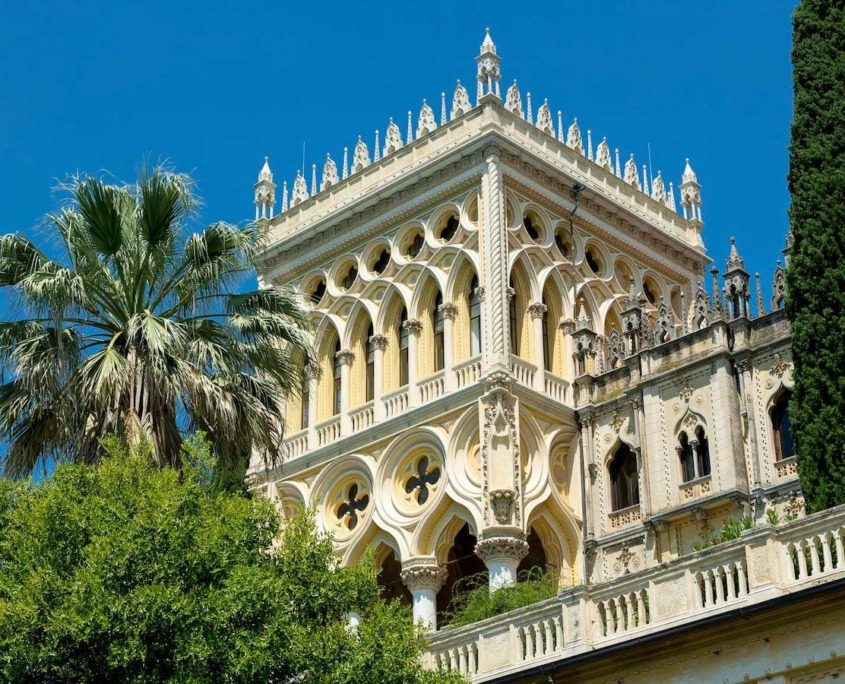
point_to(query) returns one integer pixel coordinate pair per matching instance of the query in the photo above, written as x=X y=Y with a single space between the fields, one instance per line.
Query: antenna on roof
x=303 y=154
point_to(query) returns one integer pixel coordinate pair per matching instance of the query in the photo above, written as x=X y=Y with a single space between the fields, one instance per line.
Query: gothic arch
x=294 y=407
x=458 y=291
x=359 y=328
x=436 y=533
x=560 y=536
x=424 y=309
x=343 y=495
x=328 y=344
x=523 y=295
x=374 y=536
x=389 y=324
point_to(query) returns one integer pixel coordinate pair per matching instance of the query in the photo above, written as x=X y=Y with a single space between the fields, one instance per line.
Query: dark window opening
x=474 y=318
x=649 y=295
x=594 y=265
x=390 y=581
x=415 y=246
x=782 y=428
x=336 y=380
x=624 y=484
x=562 y=244
x=403 y=348
x=317 y=293
x=350 y=277
x=449 y=229
x=437 y=326
x=530 y=228
x=686 y=455
x=305 y=399
x=465 y=571
x=371 y=365
x=702 y=452
x=382 y=262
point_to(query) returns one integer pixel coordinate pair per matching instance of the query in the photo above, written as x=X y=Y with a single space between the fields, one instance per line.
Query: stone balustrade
x=765 y=562
x=427 y=390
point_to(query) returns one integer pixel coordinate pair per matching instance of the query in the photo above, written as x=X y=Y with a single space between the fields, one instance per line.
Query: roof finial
x=443 y=119
x=529 y=113
x=313 y=179
x=618 y=169
x=761 y=307
x=410 y=126
x=377 y=150
x=645 y=180
x=589 y=144
x=559 y=126
x=284 y=196
x=345 y=162
x=488 y=76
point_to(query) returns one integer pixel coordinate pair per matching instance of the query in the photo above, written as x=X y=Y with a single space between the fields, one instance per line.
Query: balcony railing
x=428 y=389
x=763 y=563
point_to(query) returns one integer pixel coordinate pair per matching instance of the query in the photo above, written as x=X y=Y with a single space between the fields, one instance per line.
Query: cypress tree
x=815 y=301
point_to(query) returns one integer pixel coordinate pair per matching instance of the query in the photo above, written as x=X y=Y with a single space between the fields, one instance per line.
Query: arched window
x=547 y=352
x=449 y=229
x=512 y=319
x=702 y=452
x=624 y=484
x=686 y=455
x=415 y=246
x=782 y=428
x=474 y=318
x=530 y=228
x=437 y=327
x=336 y=380
x=371 y=365
x=403 y=348
x=304 y=401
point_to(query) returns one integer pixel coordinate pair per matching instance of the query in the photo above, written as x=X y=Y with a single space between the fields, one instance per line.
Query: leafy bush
x=730 y=530
x=126 y=572
x=473 y=601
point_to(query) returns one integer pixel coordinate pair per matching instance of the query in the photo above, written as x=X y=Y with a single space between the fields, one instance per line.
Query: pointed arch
x=553 y=341
x=359 y=330
x=560 y=539
x=519 y=320
x=424 y=306
x=296 y=404
x=328 y=384
x=394 y=313
x=462 y=289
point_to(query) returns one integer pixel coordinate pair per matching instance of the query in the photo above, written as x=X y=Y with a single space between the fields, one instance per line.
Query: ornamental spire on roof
x=544 y=119
x=460 y=101
x=603 y=155
x=513 y=100
x=393 y=138
x=489 y=73
x=425 y=123
x=573 y=137
x=300 y=190
x=265 y=192
x=329 y=173
x=631 y=177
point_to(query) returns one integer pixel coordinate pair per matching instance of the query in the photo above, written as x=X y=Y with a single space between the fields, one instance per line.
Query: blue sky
x=215 y=86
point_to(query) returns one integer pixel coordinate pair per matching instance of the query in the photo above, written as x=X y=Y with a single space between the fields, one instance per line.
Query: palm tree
x=138 y=329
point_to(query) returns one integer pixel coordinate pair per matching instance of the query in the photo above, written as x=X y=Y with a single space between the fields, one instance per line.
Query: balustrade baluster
x=708 y=588
x=802 y=560
x=742 y=578
x=462 y=660
x=840 y=551
x=559 y=633
x=826 y=554
x=729 y=577
x=814 y=556
x=642 y=609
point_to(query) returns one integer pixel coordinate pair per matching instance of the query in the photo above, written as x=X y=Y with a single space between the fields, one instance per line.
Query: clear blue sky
x=214 y=86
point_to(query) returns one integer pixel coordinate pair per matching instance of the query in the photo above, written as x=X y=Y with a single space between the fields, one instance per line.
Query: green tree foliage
x=126 y=572
x=138 y=328
x=815 y=301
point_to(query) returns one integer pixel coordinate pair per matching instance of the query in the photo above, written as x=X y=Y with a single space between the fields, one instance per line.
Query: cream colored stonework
x=596 y=334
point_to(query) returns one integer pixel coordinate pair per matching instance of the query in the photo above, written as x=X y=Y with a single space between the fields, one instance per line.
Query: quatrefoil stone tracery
x=348 y=511
x=423 y=479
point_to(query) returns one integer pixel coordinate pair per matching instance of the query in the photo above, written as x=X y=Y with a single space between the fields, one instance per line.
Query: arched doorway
x=465 y=571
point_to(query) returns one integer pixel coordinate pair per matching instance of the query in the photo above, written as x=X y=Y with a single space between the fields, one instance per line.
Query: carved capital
x=313 y=372
x=499 y=548
x=414 y=326
x=567 y=326
x=379 y=342
x=537 y=310
x=423 y=576
x=501 y=501
x=594 y=472
x=511 y=293
x=345 y=357
x=480 y=292
x=449 y=311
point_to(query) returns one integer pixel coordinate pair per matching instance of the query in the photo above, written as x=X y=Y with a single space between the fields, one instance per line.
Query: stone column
x=495 y=350
x=345 y=358
x=537 y=312
x=313 y=373
x=414 y=330
x=450 y=312
x=424 y=577
x=637 y=409
x=379 y=342
x=501 y=551
x=743 y=368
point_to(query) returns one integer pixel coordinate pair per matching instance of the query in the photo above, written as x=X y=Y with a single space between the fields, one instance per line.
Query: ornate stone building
x=520 y=366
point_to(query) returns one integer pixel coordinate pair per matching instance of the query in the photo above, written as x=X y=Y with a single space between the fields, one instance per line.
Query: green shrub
x=473 y=601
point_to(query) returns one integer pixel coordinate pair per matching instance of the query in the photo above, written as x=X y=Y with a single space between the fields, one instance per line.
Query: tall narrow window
x=371 y=365
x=437 y=326
x=512 y=319
x=305 y=399
x=336 y=380
x=687 y=459
x=474 y=318
x=547 y=357
x=624 y=485
x=403 y=349
x=781 y=428
x=702 y=452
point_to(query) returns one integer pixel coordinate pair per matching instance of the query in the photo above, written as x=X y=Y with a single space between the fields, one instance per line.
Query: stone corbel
x=501 y=501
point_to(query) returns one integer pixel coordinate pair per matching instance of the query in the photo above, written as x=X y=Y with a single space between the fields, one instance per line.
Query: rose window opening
x=348 y=511
x=421 y=482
